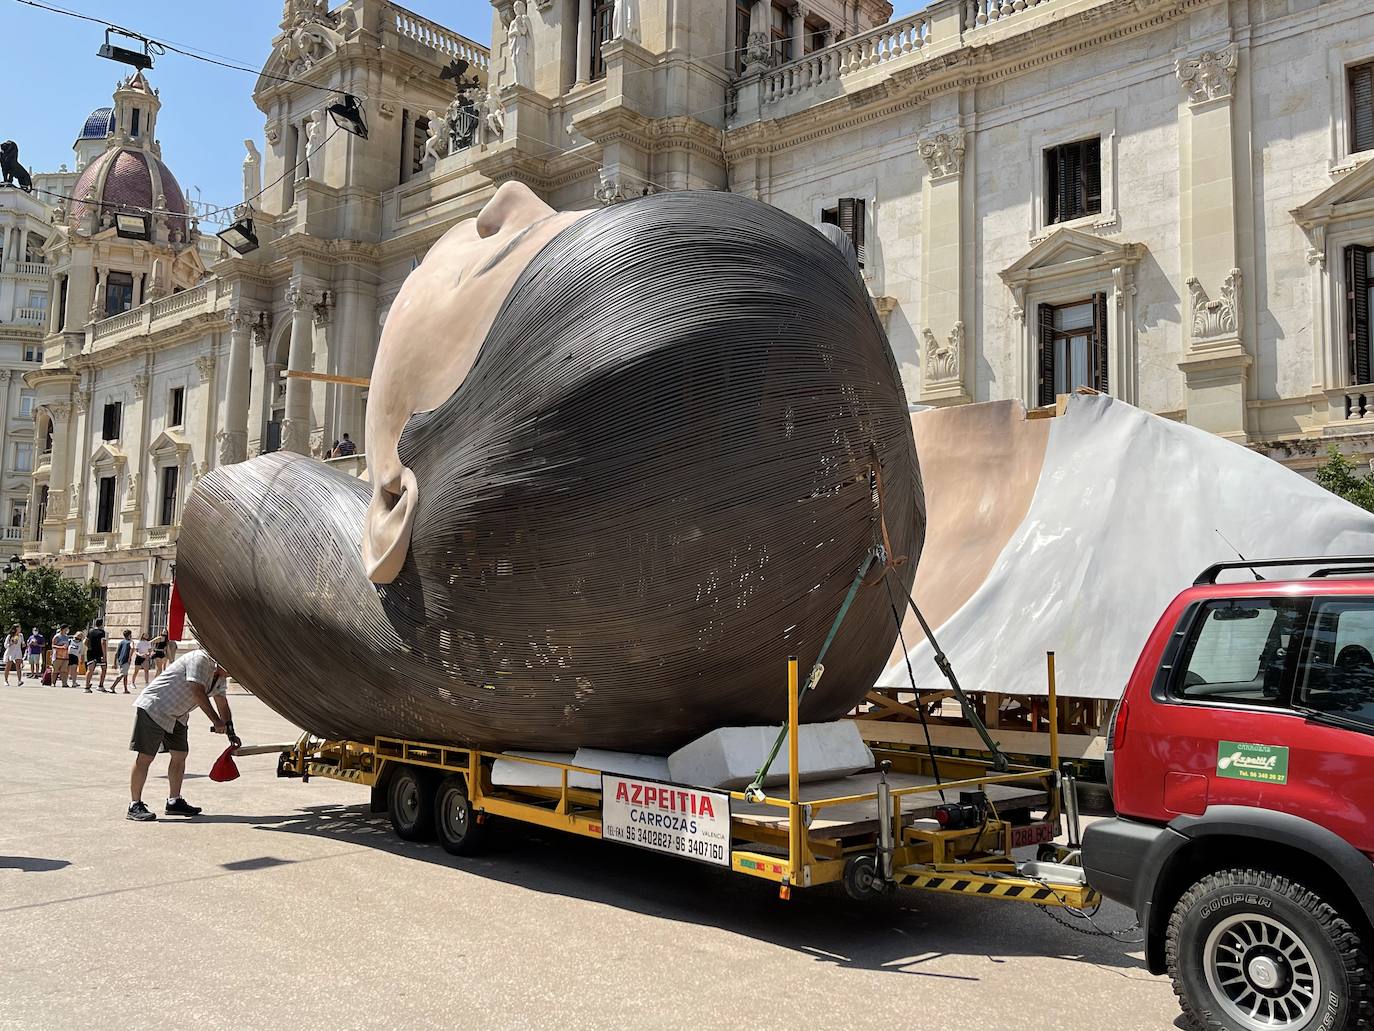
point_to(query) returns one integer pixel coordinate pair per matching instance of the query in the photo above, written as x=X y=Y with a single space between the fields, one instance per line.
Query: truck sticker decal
x=1240 y=760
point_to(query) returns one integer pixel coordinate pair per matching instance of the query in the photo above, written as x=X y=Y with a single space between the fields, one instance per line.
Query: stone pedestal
x=1215 y=386
x=946 y=376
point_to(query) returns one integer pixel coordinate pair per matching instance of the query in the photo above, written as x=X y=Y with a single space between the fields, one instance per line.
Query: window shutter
x=107 y=423
x=1100 y=349
x=1362 y=107
x=1092 y=176
x=851 y=213
x=1045 y=320
x=1051 y=187
x=1357 y=312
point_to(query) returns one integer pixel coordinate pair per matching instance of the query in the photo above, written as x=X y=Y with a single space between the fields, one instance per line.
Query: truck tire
x=1250 y=950
x=455 y=821
x=410 y=802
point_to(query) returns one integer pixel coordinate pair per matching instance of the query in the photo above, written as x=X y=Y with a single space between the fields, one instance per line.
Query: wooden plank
x=1021 y=742
x=324 y=377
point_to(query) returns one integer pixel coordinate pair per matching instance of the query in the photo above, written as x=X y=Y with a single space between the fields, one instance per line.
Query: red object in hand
x=224 y=768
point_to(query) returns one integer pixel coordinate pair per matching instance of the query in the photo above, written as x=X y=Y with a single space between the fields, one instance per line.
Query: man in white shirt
x=162 y=712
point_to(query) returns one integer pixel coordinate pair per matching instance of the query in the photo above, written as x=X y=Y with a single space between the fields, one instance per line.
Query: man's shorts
x=124 y=672
x=95 y=659
x=149 y=737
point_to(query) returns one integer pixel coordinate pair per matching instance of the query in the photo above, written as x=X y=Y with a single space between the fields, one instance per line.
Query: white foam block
x=729 y=757
x=511 y=774
x=628 y=764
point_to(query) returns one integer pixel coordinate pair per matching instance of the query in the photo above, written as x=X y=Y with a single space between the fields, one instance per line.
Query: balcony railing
x=30 y=315
x=13 y=533
x=877 y=46
x=32 y=268
x=146 y=316
x=425 y=32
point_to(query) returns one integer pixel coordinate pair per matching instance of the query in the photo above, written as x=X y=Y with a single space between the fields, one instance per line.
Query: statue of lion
x=11 y=168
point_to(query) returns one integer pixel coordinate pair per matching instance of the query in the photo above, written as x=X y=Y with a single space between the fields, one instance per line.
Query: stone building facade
x=1168 y=201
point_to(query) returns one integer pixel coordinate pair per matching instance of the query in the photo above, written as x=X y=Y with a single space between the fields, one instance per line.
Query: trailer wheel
x=862 y=882
x=455 y=821
x=410 y=801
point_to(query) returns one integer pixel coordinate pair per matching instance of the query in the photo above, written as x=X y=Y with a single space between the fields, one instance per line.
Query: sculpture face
x=621 y=468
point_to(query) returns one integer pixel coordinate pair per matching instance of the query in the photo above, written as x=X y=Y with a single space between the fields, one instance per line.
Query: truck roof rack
x=1330 y=564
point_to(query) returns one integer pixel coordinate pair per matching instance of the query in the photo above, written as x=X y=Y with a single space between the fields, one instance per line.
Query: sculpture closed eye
x=649 y=482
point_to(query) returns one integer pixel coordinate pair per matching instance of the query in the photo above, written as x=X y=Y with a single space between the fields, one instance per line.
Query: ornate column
x=295 y=429
x=584 y=42
x=55 y=525
x=205 y=366
x=1215 y=359
x=946 y=369
x=233 y=438
x=798 y=13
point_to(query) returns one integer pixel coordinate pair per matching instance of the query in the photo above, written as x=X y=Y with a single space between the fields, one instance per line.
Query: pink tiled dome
x=124 y=178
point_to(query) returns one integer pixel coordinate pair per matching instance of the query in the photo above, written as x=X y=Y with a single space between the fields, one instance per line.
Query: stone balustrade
x=1359 y=404
x=875 y=47
x=979 y=13
x=34 y=315
x=13 y=533
x=425 y=32
x=31 y=268
x=145 y=318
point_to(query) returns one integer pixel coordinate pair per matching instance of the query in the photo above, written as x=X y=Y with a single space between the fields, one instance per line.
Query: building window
x=42 y=506
x=113 y=421
x=1359 y=302
x=1073 y=180
x=603 y=24
x=159 y=604
x=26 y=403
x=105 y=505
x=119 y=292
x=742 y=20
x=23 y=457
x=38 y=299
x=419 y=136
x=176 y=405
x=168 y=511
x=61 y=304
x=32 y=353
x=101 y=594
x=813 y=36
x=1073 y=347
x=47 y=438
x=780 y=33
x=1361 y=84
x=133 y=123
x=849 y=215
x=18 y=510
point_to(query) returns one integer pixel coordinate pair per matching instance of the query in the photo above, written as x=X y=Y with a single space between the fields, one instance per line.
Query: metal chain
x=1094 y=929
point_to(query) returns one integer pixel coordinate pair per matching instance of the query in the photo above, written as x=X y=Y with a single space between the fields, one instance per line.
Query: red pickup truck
x=1241 y=764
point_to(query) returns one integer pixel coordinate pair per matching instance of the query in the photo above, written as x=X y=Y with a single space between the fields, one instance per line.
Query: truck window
x=1240 y=652
x=1338 y=672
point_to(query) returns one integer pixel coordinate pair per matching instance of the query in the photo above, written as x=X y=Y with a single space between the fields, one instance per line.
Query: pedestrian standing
x=345 y=447
x=143 y=657
x=36 y=643
x=160 y=653
x=123 y=655
x=95 y=653
x=162 y=712
x=61 y=649
x=14 y=654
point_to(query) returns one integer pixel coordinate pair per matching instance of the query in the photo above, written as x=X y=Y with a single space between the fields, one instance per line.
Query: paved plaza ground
x=289 y=905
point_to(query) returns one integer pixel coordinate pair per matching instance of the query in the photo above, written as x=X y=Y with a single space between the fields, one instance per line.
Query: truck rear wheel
x=410 y=802
x=455 y=821
x=1249 y=950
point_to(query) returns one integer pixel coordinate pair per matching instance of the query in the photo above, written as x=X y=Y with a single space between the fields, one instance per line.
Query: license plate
x=1032 y=834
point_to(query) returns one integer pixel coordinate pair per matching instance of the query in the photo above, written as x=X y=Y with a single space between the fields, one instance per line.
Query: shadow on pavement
x=32 y=864
x=897 y=935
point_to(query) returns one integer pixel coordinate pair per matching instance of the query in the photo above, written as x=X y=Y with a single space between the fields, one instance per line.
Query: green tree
x=1338 y=475
x=42 y=597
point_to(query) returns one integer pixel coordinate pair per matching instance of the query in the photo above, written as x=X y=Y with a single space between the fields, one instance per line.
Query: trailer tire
x=410 y=803
x=863 y=882
x=455 y=821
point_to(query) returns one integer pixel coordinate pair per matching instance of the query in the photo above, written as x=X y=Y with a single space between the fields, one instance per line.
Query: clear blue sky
x=54 y=80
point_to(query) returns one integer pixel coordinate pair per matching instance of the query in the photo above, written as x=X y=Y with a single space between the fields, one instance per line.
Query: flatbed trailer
x=871 y=832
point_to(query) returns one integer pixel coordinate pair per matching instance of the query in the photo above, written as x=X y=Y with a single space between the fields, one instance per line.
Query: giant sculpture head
x=622 y=464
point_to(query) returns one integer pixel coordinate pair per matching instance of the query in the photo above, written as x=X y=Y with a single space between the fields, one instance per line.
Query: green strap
x=875 y=554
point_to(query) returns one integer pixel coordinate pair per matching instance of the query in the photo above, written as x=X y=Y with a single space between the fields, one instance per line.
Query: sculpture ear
x=390 y=517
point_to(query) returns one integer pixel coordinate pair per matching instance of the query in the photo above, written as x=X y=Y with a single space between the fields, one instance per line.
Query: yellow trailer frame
x=976 y=861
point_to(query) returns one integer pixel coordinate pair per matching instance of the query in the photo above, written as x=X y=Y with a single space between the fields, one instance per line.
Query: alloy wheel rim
x=1261 y=973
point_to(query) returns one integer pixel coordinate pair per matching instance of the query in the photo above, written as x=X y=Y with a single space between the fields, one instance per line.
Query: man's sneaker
x=181 y=807
x=140 y=812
